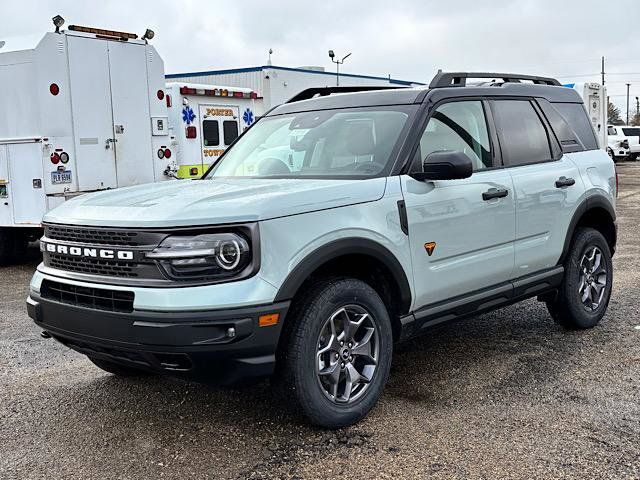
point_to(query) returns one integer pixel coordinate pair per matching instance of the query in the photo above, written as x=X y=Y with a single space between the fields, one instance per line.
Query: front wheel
x=337 y=355
x=585 y=291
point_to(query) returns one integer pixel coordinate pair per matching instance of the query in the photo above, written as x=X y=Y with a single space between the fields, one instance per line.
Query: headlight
x=203 y=257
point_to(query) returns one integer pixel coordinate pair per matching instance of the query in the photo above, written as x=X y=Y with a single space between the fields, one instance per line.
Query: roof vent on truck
x=459 y=79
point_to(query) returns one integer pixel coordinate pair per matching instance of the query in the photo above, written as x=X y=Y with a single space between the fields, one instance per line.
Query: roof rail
x=324 y=91
x=459 y=79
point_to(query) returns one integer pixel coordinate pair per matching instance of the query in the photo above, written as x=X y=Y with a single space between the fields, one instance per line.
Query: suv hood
x=210 y=202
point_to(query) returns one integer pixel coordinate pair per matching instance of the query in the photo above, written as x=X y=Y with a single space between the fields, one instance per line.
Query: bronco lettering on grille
x=108 y=254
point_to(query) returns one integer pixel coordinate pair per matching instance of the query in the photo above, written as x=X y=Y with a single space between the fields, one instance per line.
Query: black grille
x=93 y=266
x=96 y=298
x=92 y=236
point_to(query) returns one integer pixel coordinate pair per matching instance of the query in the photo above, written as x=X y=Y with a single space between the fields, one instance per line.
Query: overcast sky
x=408 y=39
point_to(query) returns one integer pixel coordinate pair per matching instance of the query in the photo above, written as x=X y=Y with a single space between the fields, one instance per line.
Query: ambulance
x=203 y=121
x=83 y=109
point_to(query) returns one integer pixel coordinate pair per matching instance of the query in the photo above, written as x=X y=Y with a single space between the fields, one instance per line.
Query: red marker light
x=160 y=94
x=54 y=89
x=167 y=153
x=191 y=132
x=55 y=158
x=168 y=99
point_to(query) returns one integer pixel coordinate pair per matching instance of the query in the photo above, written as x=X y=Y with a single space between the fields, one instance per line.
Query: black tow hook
x=44 y=334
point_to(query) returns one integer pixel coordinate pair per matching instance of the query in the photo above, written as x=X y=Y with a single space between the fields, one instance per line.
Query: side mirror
x=445 y=165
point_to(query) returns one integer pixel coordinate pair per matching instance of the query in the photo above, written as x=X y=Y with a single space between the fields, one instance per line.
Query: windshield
x=326 y=143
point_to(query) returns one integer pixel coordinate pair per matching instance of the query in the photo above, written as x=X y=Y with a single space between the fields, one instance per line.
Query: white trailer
x=83 y=109
x=594 y=96
x=203 y=121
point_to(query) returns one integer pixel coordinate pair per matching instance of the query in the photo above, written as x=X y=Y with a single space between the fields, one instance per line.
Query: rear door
x=131 y=117
x=220 y=127
x=547 y=183
x=92 y=116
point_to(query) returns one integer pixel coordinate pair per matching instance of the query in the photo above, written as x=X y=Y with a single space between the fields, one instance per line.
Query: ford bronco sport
x=393 y=210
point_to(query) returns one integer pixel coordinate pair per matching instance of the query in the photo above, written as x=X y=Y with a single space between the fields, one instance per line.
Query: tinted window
x=576 y=116
x=631 y=132
x=565 y=134
x=523 y=138
x=230 y=130
x=210 y=133
x=611 y=131
x=459 y=126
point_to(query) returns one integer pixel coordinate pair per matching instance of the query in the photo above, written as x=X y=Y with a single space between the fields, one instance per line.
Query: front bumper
x=197 y=344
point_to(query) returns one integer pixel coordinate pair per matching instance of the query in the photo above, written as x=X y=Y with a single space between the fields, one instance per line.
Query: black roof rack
x=324 y=91
x=459 y=79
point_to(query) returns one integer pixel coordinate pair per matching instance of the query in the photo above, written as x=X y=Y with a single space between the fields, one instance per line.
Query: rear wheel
x=337 y=356
x=119 y=370
x=584 y=295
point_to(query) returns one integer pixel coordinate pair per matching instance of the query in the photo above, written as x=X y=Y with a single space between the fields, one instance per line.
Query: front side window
x=210 y=133
x=459 y=126
x=326 y=143
x=523 y=137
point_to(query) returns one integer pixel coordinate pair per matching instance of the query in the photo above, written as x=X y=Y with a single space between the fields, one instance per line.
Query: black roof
x=509 y=86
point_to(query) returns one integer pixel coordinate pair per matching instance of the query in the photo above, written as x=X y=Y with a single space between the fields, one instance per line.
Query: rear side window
x=210 y=133
x=631 y=132
x=230 y=130
x=576 y=116
x=523 y=137
x=566 y=136
x=612 y=131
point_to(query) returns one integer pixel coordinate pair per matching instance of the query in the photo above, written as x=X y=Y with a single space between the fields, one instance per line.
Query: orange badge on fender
x=430 y=247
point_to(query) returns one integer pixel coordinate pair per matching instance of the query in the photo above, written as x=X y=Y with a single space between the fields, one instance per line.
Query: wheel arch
x=595 y=212
x=361 y=258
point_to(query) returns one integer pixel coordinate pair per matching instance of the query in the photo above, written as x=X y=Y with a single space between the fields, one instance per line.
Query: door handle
x=565 y=182
x=495 y=193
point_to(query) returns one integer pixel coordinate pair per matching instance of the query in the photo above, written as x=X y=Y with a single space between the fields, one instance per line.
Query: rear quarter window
x=577 y=118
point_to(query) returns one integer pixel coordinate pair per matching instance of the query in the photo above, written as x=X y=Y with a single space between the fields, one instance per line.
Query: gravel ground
x=504 y=395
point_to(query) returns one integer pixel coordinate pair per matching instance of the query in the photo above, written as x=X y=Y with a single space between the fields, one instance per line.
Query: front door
x=461 y=240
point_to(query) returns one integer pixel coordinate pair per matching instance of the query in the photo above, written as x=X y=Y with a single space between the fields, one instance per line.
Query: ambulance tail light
x=160 y=94
x=167 y=153
x=191 y=131
x=55 y=158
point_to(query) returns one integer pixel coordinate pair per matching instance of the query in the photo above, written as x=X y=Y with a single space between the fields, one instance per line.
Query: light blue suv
x=384 y=212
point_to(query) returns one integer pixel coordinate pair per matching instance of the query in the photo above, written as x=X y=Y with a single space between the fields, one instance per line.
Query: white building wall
x=277 y=85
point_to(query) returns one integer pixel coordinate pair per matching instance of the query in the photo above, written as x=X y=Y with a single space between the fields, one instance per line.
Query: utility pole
x=603 y=70
x=628 y=86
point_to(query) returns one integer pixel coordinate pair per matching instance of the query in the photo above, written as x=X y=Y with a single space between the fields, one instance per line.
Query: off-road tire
x=296 y=375
x=119 y=370
x=567 y=308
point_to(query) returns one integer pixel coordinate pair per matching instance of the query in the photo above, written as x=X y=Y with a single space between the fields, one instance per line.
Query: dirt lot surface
x=504 y=395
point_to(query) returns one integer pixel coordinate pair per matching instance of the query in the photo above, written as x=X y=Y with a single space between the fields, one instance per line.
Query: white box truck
x=204 y=120
x=82 y=109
